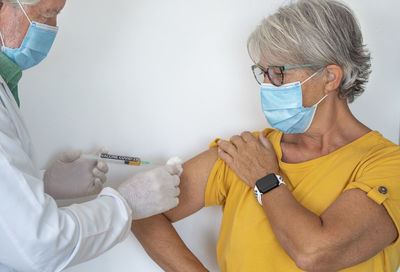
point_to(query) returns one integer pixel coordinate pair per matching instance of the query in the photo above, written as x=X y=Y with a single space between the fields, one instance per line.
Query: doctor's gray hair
x=317 y=32
x=23 y=2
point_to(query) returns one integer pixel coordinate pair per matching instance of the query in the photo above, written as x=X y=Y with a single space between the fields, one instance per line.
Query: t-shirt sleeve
x=217 y=185
x=379 y=177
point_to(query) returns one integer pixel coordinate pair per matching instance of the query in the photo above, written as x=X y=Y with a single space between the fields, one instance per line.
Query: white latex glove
x=155 y=191
x=71 y=176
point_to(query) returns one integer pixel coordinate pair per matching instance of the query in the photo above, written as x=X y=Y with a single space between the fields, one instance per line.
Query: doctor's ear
x=333 y=77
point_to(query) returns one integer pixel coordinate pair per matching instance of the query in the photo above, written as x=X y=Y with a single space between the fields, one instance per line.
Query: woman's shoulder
x=378 y=153
x=269 y=133
x=378 y=143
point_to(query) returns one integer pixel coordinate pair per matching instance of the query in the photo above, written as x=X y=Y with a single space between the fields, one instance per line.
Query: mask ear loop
x=316 y=104
x=26 y=14
x=2 y=40
x=313 y=75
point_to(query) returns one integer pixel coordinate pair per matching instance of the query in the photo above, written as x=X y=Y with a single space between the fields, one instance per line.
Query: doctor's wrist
x=123 y=204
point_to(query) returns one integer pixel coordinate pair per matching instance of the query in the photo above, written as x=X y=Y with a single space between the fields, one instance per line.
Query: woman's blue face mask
x=35 y=46
x=283 y=107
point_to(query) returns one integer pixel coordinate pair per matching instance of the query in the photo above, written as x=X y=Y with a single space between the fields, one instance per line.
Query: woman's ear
x=333 y=77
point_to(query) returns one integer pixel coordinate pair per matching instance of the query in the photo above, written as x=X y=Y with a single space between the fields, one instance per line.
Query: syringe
x=136 y=161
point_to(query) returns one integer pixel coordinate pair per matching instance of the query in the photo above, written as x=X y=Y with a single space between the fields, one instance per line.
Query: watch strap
x=258 y=195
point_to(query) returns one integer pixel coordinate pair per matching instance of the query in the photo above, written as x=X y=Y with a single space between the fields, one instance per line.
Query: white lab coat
x=36 y=235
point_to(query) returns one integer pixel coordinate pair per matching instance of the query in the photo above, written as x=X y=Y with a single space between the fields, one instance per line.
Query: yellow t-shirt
x=246 y=242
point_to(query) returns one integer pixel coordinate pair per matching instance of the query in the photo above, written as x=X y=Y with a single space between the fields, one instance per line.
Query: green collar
x=11 y=73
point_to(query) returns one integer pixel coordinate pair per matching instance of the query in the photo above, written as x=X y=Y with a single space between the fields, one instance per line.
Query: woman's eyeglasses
x=275 y=73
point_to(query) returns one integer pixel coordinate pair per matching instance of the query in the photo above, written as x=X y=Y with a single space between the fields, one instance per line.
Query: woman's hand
x=249 y=157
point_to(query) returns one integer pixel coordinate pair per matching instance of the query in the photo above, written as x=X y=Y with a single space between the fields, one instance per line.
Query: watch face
x=267 y=183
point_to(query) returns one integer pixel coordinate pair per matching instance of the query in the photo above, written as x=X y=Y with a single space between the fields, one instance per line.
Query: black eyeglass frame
x=281 y=69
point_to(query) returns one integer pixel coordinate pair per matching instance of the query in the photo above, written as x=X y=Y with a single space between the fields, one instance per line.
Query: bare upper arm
x=357 y=228
x=193 y=185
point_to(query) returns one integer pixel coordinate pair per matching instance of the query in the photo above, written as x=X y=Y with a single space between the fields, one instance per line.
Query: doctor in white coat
x=36 y=235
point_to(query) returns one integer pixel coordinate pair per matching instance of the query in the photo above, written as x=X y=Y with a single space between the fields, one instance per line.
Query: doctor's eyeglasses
x=275 y=73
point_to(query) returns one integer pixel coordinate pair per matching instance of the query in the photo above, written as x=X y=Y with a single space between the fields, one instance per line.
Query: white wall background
x=159 y=78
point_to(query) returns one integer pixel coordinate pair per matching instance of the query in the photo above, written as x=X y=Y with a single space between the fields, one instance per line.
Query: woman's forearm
x=161 y=241
x=295 y=227
x=339 y=238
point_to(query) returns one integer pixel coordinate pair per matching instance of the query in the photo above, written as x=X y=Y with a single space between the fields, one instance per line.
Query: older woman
x=327 y=187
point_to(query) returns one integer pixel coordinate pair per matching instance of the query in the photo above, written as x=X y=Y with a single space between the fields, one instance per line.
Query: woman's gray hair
x=317 y=32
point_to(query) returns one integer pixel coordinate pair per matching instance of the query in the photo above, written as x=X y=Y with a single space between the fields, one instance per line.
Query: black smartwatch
x=266 y=184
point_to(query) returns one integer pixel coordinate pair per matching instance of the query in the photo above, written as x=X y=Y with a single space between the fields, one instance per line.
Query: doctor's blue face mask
x=36 y=45
x=283 y=107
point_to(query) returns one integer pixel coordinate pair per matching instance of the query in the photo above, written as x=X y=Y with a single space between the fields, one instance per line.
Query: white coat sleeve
x=36 y=235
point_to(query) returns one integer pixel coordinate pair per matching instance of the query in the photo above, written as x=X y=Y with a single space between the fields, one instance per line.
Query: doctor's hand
x=72 y=176
x=155 y=191
x=250 y=158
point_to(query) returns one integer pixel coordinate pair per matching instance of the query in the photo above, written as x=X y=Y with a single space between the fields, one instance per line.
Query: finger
x=264 y=141
x=102 y=166
x=97 y=187
x=70 y=156
x=99 y=175
x=237 y=141
x=174 y=203
x=227 y=147
x=174 y=166
x=176 y=180
x=248 y=137
x=169 y=204
x=172 y=180
x=99 y=151
x=104 y=149
x=225 y=157
x=173 y=191
x=177 y=191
